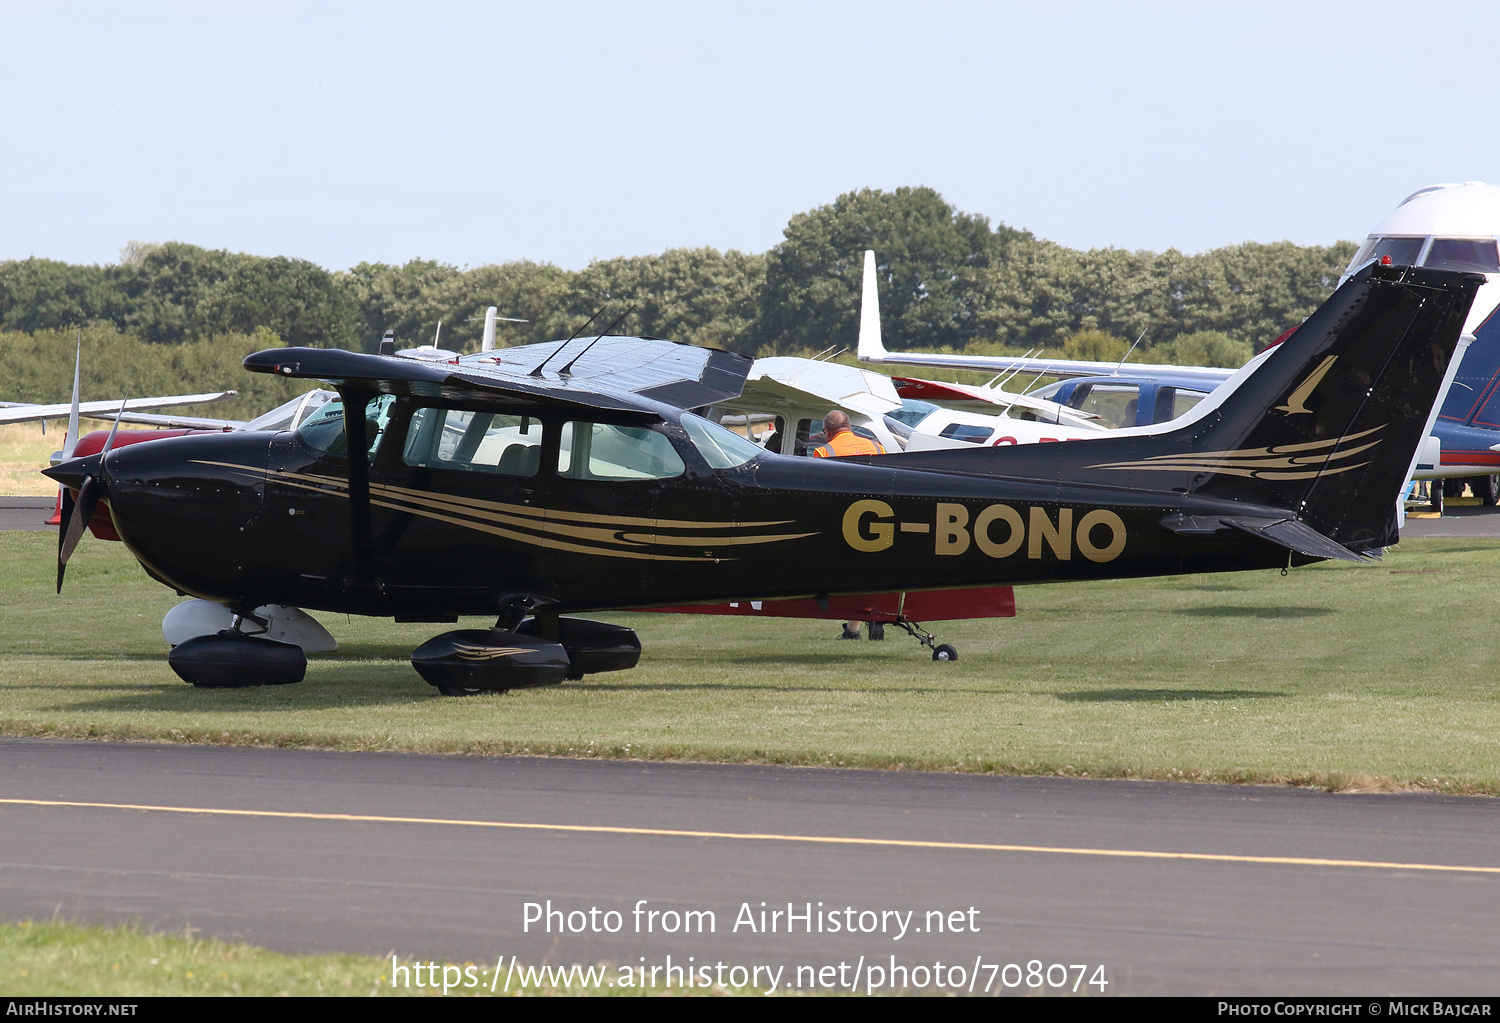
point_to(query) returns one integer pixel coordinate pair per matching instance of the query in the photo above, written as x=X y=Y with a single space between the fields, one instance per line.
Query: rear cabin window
x=1172 y=402
x=491 y=442
x=602 y=451
x=1184 y=400
x=966 y=432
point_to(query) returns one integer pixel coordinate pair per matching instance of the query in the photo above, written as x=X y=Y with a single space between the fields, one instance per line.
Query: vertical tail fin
x=488 y=342
x=1326 y=428
x=871 y=346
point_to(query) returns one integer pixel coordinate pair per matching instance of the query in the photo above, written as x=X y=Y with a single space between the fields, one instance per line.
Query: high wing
x=872 y=349
x=620 y=374
x=988 y=399
x=800 y=382
x=13 y=413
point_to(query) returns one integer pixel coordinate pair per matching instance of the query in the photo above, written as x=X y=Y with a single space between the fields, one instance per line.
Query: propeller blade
x=75 y=520
x=109 y=441
x=64 y=516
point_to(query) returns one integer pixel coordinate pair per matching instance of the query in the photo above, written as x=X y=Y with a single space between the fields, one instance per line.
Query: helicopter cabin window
x=324 y=429
x=494 y=442
x=602 y=451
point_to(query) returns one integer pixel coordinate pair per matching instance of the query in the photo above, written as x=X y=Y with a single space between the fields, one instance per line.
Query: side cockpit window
x=493 y=442
x=324 y=429
x=602 y=451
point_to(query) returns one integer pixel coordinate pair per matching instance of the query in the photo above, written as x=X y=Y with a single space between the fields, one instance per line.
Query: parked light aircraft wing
x=806 y=381
x=31 y=413
x=988 y=399
x=872 y=349
x=172 y=421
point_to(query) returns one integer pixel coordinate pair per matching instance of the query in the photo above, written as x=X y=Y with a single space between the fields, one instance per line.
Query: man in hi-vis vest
x=842 y=440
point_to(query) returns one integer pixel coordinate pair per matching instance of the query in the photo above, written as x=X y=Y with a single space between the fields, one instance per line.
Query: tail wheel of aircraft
x=944 y=652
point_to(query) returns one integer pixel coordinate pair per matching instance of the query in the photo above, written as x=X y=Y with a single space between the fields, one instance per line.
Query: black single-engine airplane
x=498 y=485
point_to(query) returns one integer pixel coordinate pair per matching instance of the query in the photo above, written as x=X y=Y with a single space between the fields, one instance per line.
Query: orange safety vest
x=847 y=442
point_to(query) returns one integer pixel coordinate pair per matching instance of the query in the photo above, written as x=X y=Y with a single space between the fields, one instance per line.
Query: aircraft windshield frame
x=719 y=446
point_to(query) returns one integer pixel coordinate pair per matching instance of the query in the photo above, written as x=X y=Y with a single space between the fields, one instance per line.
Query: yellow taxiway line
x=743 y=836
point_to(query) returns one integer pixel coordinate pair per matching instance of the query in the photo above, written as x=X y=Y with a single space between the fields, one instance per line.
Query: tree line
x=948 y=280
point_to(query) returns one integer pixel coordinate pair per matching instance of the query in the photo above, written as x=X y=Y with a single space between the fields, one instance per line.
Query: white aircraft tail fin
x=871 y=347
x=488 y=344
x=71 y=440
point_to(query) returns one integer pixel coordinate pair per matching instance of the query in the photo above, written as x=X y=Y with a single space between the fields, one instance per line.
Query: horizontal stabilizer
x=1295 y=536
x=1284 y=532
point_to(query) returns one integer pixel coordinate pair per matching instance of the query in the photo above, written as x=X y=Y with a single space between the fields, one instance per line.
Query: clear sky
x=565 y=132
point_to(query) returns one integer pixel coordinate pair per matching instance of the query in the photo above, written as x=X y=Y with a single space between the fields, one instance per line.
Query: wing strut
x=355 y=404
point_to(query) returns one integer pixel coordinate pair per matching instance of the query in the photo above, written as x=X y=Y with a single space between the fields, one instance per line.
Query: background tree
x=40 y=293
x=946 y=280
x=931 y=259
x=701 y=296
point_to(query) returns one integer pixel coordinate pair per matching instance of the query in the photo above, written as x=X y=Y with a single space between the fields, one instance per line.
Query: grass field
x=65 y=960
x=1336 y=675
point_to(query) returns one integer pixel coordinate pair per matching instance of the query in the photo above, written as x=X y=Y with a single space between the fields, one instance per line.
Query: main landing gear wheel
x=1487 y=489
x=944 y=652
x=232 y=660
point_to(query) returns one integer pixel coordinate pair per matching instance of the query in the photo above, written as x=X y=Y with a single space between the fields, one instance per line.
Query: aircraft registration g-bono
x=536 y=483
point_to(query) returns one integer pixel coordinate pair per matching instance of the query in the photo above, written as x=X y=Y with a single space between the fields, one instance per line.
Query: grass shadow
x=1163 y=695
x=1238 y=611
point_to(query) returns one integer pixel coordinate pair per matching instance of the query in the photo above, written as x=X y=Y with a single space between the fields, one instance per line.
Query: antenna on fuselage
x=1127 y=354
x=388 y=343
x=538 y=371
x=567 y=370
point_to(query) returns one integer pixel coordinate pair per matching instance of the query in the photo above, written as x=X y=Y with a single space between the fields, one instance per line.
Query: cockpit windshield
x=1403 y=251
x=324 y=429
x=913 y=411
x=292 y=414
x=1476 y=254
x=720 y=447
